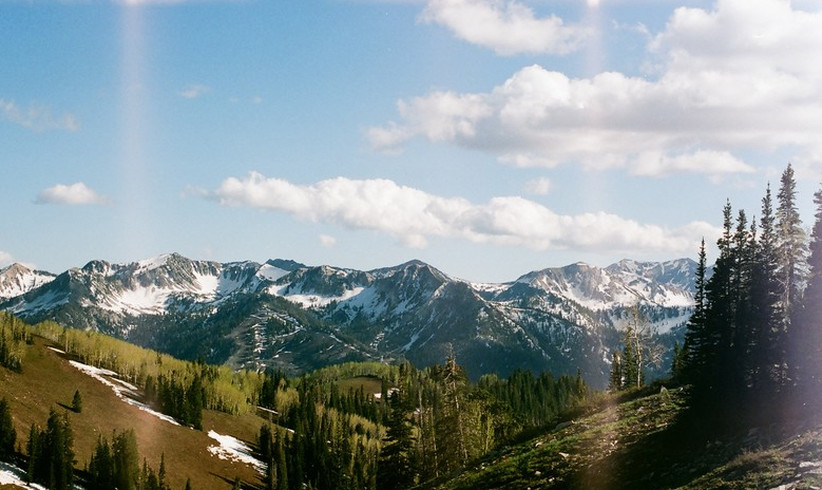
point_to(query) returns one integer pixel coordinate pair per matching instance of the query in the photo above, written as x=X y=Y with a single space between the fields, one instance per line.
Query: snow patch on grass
x=232 y=449
x=12 y=475
x=124 y=391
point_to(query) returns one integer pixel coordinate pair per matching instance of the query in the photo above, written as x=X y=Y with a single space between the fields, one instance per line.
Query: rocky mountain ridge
x=288 y=315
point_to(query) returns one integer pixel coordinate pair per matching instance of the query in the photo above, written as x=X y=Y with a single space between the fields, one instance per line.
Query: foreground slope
x=48 y=380
x=647 y=441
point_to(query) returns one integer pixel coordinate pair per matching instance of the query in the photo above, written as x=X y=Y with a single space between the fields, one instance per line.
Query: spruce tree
x=791 y=244
x=8 y=436
x=101 y=467
x=697 y=336
x=765 y=312
x=719 y=320
x=395 y=468
x=791 y=270
x=807 y=335
x=615 y=378
x=126 y=467
x=631 y=369
x=77 y=402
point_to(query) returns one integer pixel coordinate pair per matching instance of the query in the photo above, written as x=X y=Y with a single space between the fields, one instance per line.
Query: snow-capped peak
x=17 y=279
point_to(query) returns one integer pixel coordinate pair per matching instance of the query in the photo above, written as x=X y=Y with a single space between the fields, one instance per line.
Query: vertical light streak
x=594 y=186
x=135 y=229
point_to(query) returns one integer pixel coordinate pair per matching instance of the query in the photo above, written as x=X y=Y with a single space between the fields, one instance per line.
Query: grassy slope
x=644 y=442
x=49 y=381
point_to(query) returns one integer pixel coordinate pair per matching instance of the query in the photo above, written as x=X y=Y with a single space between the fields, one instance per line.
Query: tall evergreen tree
x=395 y=469
x=765 y=313
x=807 y=336
x=126 y=461
x=631 y=368
x=51 y=453
x=615 y=378
x=101 y=467
x=791 y=244
x=697 y=336
x=720 y=317
x=77 y=402
x=8 y=436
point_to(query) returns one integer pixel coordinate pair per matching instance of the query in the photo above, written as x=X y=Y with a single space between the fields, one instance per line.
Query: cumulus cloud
x=74 y=194
x=734 y=78
x=36 y=117
x=194 y=91
x=506 y=26
x=411 y=216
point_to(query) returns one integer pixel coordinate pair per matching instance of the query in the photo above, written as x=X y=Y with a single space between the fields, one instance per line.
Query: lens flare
x=132 y=141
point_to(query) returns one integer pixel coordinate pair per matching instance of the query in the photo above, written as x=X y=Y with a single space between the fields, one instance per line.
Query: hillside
x=48 y=380
x=290 y=316
x=645 y=440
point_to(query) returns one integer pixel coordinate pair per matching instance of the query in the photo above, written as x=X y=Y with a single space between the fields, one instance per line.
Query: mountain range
x=286 y=315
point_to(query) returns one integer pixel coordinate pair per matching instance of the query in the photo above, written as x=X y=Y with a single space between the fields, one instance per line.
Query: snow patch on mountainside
x=124 y=390
x=271 y=273
x=232 y=449
x=314 y=300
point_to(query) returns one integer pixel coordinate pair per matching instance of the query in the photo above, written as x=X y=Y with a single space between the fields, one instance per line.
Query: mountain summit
x=292 y=316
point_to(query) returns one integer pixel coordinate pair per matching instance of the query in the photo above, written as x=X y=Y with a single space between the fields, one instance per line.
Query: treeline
x=422 y=424
x=752 y=348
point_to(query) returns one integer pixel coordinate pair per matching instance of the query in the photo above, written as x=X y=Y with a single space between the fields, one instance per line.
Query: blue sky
x=486 y=137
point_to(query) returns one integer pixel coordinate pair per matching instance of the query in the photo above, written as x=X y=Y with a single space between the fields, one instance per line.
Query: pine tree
x=697 y=336
x=281 y=462
x=126 y=461
x=161 y=473
x=77 y=402
x=791 y=247
x=631 y=368
x=807 y=338
x=51 y=453
x=791 y=251
x=395 y=468
x=8 y=435
x=765 y=312
x=101 y=467
x=615 y=378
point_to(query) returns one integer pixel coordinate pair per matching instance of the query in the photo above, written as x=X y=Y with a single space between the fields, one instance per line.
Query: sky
x=488 y=138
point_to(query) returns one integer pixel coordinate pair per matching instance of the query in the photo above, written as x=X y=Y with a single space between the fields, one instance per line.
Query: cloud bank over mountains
x=412 y=216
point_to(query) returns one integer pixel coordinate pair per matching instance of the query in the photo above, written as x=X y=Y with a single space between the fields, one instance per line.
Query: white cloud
x=506 y=26
x=36 y=117
x=74 y=194
x=744 y=76
x=327 y=241
x=194 y=91
x=540 y=187
x=411 y=216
